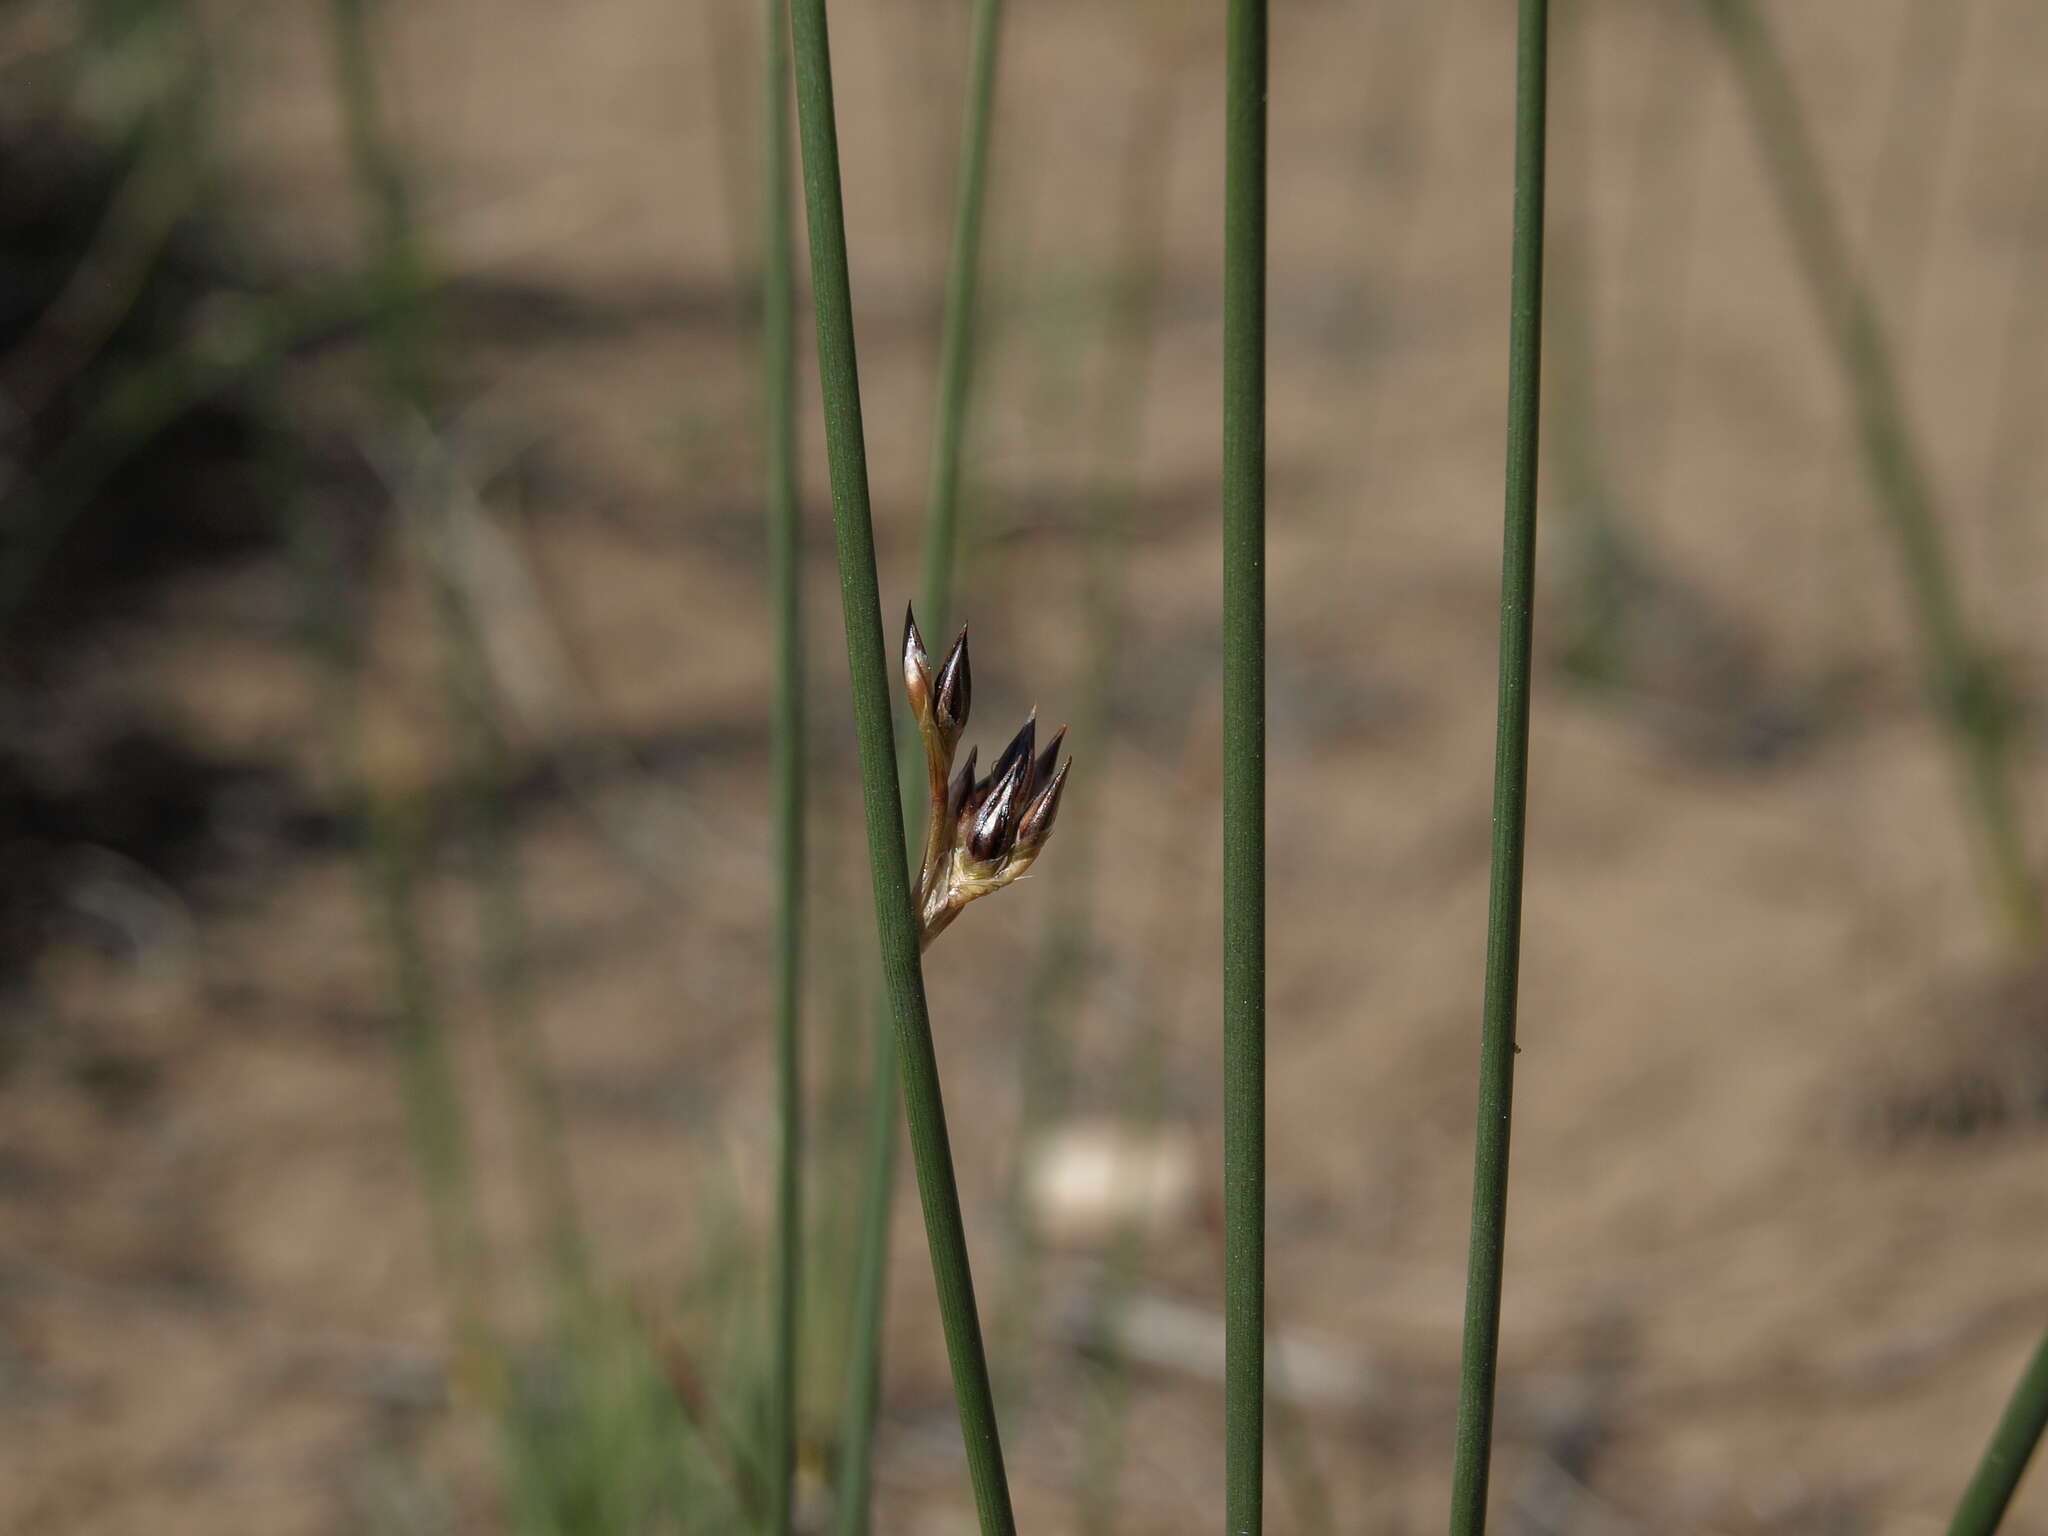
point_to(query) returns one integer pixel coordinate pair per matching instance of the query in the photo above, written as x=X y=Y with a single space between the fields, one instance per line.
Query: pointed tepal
x=1020 y=749
x=996 y=821
x=1035 y=826
x=953 y=694
x=1041 y=773
x=917 y=670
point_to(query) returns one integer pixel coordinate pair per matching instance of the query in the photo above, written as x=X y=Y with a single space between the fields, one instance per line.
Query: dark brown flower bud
x=1018 y=751
x=1041 y=772
x=917 y=669
x=977 y=797
x=953 y=693
x=1035 y=825
x=995 y=824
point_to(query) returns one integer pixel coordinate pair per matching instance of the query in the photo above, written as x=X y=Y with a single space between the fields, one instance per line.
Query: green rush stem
x=956 y=336
x=940 y=560
x=838 y=1130
x=404 y=345
x=1244 y=769
x=1663 y=200
x=867 y=662
x=386 y=839
x=1059 y=972
x=1605 y=559
x=395 y=260
x=862 y=1409
x=778 y=359
x=870 y=1291
x=1965 y=695
x=1998 y=1475
x=725 y=52
x=1474 y=1451
x=433 y=1103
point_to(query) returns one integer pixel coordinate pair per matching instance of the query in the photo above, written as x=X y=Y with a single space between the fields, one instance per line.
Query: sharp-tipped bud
x=953 y=693
x=971 y=803
x=1041 y=772
x=1035 y=825
x=996 y=821
x=1020 y=750
x=917 y=668
x=963 y=786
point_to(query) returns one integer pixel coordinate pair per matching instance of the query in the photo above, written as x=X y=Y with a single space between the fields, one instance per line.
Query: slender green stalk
x=1967 y=699
x=956 y=336
x=940 y=560
x=870 y=1292
x=506 y=929
x=1896 y=234
x=385 y=836
x=1497 y=1047
x=836 y=1135
x=1663 y=201
x=435 y=1120
x=403 y=342
x=1060 y=969
x=1605 y=558
x=395 y=259
x=867 y=662
x=725 y=55
x=1244 y=769
x=1998 y=1475
x=778 y=356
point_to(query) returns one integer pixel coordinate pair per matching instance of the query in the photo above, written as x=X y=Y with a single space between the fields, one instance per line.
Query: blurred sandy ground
x=1749 y=1289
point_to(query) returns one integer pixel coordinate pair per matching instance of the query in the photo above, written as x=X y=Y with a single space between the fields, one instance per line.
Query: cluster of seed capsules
x=983 y=832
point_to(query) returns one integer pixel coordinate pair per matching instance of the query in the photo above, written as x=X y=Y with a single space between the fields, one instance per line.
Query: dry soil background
x=1764 y=1275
